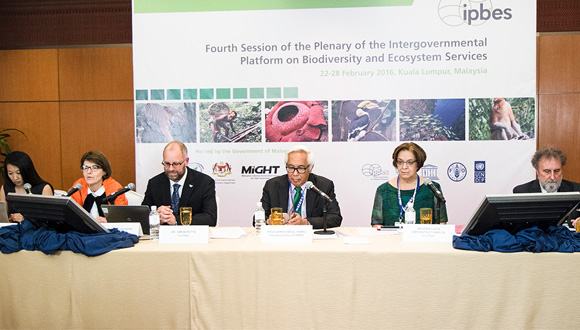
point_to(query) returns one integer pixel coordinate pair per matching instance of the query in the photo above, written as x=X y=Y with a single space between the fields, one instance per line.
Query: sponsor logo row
x=456 y=171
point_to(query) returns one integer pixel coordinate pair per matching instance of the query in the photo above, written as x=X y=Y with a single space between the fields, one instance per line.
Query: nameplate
x=428 y=233
x=130 y=227
x=183 y=234
x=286 y=234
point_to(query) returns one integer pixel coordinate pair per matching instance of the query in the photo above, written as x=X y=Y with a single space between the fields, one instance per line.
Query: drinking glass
x=276 y=215
x=185 y=215
x=426 y=215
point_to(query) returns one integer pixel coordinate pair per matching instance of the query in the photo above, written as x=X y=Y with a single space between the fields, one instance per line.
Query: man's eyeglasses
x=409 y=163
x=92 y=167
x=300 y=169
x=168 y=164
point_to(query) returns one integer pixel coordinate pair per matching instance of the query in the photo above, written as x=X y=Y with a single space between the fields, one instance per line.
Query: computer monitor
x=60 y=213
x=515 y=212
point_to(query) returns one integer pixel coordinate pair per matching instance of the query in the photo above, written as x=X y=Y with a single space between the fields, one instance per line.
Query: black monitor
x=516 y=212
x=60 y=213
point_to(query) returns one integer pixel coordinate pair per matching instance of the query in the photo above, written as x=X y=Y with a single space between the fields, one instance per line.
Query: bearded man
x=549 y=163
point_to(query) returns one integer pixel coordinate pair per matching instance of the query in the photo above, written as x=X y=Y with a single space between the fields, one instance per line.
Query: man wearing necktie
x=180 y=186
x=288 y=192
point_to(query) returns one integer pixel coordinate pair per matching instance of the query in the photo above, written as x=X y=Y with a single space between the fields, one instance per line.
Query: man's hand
x=296 y=220
x=166 y=215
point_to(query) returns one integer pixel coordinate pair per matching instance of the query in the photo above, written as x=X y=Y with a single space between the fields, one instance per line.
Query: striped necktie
x=296 y=200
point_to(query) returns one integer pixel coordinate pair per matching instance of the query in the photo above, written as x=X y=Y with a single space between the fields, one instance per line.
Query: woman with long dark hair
x=19 y=170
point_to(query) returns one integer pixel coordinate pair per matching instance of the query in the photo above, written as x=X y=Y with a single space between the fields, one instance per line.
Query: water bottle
x=260 y=218
x=153 y=223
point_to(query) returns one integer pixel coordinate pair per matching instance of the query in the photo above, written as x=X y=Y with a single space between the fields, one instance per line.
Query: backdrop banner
x=241 y=82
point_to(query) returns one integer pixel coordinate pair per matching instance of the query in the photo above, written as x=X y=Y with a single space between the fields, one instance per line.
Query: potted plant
x=4 y=147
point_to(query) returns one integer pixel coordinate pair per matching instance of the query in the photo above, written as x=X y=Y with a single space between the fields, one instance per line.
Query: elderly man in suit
x=290 y=192
x=549 y=163
x=180 y=186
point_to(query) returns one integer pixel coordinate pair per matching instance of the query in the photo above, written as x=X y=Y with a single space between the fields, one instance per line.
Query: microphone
x=73 y=190
x=310 y=185
x=438 y=194
x=27 y=187
x=116 y=194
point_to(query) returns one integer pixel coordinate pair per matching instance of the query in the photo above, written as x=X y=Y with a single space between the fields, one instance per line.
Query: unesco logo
x=470 y=12
x=457 y=172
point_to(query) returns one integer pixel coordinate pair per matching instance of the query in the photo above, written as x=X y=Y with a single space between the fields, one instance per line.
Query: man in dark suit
x=180 y=186
x=290 y=192
x=549 y=163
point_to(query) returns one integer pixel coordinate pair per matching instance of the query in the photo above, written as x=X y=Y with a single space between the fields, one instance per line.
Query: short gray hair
x=301 y=148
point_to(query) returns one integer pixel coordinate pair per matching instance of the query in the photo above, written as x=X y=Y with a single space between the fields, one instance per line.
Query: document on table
x=370 y=231
x=227 y=232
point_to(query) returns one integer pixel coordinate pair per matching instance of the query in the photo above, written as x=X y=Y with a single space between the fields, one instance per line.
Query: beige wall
x=69 y=101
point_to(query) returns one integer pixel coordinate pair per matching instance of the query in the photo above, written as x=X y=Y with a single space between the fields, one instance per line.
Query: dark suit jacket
x=534 y=187
x=275 y=194
x=198 y=193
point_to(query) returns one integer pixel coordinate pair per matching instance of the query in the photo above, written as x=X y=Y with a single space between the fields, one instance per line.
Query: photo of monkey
x=501 y=119
x=165 y=122
x=229 y=122
x=364 y=120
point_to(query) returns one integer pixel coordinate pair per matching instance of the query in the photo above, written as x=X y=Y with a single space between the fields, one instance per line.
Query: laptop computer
x=128 y=213
x=3 y=212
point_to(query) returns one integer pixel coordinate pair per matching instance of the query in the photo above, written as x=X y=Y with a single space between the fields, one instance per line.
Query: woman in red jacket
x=96 y=184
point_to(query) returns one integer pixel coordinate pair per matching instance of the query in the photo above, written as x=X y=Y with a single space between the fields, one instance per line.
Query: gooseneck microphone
x=310 y=185
x=73 y=190
x=116 y=194
x=438 y=194
x=27 y=187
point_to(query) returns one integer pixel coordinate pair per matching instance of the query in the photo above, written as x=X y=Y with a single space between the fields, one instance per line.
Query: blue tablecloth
x=27 y=236
x=555 y=239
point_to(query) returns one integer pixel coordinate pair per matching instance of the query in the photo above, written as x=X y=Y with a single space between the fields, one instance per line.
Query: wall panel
x=96 y=73
x=107 y=126
x=559 y=63
x=28 y=75
x=559 y=97
x=559 y=126
x=40 y=122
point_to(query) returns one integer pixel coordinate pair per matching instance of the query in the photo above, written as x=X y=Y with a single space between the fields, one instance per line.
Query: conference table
x=245 y=284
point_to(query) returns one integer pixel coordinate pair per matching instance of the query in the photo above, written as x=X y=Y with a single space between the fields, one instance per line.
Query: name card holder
x=286 y=234
x=130 y=227
x=428 y=233
x=184 y=234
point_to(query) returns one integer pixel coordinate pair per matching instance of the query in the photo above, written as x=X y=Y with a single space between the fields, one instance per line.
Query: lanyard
x=302 y=194
x=409 y=203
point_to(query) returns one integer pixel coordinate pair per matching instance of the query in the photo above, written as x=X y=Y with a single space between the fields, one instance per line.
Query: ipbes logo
x=484 y=14
x=472 y=12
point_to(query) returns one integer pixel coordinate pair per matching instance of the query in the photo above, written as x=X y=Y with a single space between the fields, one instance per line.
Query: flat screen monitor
x=515 y=212
x=60 y=213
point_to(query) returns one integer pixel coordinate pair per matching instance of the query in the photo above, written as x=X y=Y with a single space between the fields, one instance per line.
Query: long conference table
x=326 y=284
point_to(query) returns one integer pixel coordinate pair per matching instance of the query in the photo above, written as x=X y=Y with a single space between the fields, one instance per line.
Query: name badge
x=428 y=233
x=286 y=234
x=183 y=234
x=130 y=227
